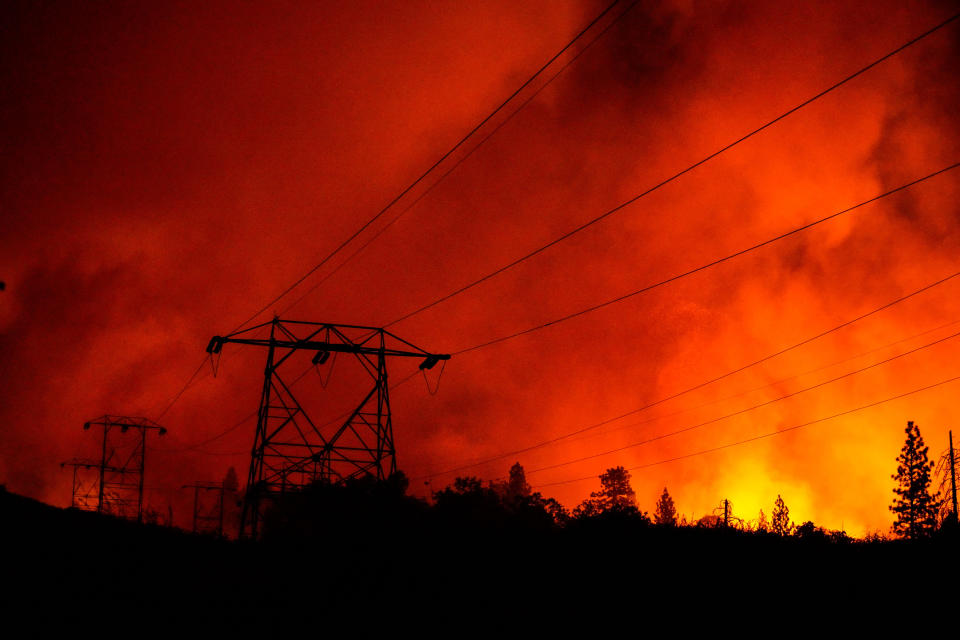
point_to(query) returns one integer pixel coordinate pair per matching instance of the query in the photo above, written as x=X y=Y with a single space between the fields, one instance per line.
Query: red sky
x=169 y=168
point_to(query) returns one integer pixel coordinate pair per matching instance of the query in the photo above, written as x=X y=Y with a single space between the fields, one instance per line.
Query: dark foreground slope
x=405 y=559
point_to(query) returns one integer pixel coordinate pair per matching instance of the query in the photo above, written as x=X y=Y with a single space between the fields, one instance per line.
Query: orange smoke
x=171 y=169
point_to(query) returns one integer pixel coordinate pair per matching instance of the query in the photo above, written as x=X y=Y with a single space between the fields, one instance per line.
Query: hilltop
x=406 y=558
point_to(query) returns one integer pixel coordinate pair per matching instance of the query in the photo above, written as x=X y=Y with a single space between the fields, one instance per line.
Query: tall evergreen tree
x=915 y=507
x=780 y=523
x=615 y=494
x=517 y=486
x=615 y=489
x=666 y=512
x=762 y=524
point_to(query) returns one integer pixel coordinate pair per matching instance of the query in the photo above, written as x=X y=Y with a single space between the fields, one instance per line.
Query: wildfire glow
x=168 y=170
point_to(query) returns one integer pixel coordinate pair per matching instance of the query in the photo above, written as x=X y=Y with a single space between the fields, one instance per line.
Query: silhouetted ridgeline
x=338 y=549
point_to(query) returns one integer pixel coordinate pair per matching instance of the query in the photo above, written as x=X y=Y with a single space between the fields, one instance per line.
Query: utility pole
x=726 y=512
x=290 y=451
x=85 y=488
x=953 y=479
x=118 y=487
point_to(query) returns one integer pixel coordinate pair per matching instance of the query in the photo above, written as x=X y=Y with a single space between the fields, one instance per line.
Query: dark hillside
x=408 y=557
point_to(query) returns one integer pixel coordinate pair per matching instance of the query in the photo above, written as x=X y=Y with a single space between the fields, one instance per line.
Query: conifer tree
x=517 y=486
x=762 y=524
x=615 y=494
x=666 y=512
x=781 y=524
x=915 y=507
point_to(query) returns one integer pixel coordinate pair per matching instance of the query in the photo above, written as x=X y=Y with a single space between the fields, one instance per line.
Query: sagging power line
x=768 y=434
x=699 y=385
x=745 y=410
x=703 y=267
x=775 y=383
x=463 y=158
x=673 y=177
x=429 y=170
x=421 y=178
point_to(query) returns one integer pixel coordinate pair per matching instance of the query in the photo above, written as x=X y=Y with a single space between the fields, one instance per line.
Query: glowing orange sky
x=169 y=169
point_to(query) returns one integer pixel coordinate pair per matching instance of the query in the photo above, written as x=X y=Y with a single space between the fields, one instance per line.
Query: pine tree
x=915 y=507
x=517 y=486
x=781 y=524
x=762 y=524
x=615 y=494
x=666 y=512
x=615 y=490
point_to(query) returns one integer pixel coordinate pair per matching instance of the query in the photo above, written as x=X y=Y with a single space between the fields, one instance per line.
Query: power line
x=765 y=386
x=745 y=410
x=769 y=434
x=186 y=385
x=702 y=267
x=675 y=176
x=442 y=158
x=699 y=385
x=412 y=185
x=463 y=159
x=193 y=379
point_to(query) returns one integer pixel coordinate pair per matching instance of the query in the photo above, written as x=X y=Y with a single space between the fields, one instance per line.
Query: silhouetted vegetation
x=780 y=523
x=762 y=524
x=616 y=496
x=665 y=512
x=359 y=542
x=915 y=508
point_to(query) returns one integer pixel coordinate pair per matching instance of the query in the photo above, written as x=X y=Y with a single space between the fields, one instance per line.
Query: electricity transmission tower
x=85 y=491
x=290 y=451
x=114 y=484
x=207 y=507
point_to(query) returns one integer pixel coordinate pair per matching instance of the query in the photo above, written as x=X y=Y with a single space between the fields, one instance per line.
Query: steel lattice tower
x=117 y=487
x=85 y=491
x=207 y=507
x=289 y=450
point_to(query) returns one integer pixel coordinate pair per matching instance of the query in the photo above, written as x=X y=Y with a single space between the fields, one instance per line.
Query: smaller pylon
x=120 y=471
x=207 y=507
x=85 y=492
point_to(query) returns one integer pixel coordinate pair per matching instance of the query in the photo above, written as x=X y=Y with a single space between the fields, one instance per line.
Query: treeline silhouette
x=364 y=548
x=468 y=506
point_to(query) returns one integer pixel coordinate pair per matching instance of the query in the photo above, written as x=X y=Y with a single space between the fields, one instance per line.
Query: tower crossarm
x=325 y=339
x=217 y=342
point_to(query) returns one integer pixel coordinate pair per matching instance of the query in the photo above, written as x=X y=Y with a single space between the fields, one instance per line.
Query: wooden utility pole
x=953 y=478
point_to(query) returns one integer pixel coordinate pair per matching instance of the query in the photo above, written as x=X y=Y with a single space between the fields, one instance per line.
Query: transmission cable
x=775 y=383
x=423 y=176
x=769 y=434
x=696 y=386
x=674 y=177
x=744 y=410
x=413 y=185
x=702 y=267
x=462 y=159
